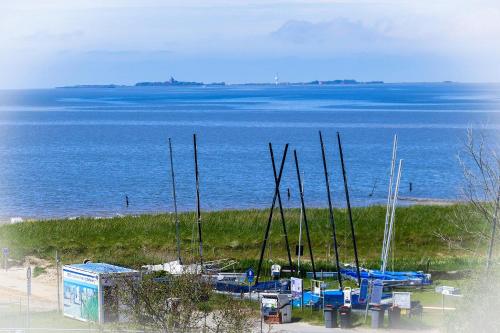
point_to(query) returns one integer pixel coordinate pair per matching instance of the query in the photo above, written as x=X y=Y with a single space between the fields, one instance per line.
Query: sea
x=69 y=152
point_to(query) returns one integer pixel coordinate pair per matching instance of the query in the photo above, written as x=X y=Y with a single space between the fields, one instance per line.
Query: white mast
x=276 y=79
x=389 y=195
x=393 y=215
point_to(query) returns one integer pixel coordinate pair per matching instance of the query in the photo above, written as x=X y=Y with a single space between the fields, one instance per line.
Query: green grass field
x=133 y=241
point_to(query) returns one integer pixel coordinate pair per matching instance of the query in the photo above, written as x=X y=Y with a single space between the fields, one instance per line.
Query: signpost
x=5 y=252
x=58 y=262
x=447 y=291
x=28 y=294
x=250 y=277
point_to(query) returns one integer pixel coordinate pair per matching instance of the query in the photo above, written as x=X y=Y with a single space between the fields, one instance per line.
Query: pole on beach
x=268 y=226
x=58 y=265
x=349 y=211
x=281 y=208
x=174 y=195
x=304 y=213
x=330 y=210
x=28 y=295
x=198 y=211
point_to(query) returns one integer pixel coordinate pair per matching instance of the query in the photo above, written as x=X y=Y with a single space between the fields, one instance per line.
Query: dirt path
x=13 y=285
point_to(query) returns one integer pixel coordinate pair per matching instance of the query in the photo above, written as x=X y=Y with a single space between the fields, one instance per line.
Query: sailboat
x=390 y=278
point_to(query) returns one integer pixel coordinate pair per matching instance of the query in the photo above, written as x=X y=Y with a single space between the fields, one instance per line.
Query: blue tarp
x=390 y=277
x=282 y=286
x=334 y=298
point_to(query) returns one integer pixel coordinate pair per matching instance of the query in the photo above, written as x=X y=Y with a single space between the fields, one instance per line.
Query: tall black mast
x=276 y=191
x=304 y=213
x=330 y=209
x=198 y=211
x=349 y=209
x=281 y=208
x=177 y=230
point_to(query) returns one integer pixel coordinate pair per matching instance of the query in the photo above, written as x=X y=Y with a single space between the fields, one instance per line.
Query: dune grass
x=133 y=241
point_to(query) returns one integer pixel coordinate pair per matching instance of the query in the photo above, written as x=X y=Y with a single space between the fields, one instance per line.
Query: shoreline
x=404 y=201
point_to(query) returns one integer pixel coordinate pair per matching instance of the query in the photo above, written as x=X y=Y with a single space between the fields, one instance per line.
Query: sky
x=47 y=43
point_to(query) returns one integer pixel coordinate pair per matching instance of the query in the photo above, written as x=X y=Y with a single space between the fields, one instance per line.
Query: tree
x=181 y=303
x=476 y=222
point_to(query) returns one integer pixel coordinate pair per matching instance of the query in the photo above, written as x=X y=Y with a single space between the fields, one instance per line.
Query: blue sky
x=47 y=43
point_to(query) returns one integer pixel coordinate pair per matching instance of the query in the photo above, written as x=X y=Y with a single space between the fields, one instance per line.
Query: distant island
x=174 y=83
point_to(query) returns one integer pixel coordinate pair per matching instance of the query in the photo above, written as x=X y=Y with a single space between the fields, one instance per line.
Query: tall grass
x=134 y=241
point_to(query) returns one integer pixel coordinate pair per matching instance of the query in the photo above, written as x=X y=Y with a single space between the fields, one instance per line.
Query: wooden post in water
x=349 y=212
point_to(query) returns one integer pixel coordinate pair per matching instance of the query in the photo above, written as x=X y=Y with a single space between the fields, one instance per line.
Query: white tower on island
x=276 y=79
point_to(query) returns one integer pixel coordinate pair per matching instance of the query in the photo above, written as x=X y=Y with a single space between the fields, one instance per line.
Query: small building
x=90 y=293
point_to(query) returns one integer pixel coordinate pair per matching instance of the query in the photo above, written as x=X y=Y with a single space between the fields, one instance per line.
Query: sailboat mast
x=304 y=213
x=198 y=211
x=270 y=219
x=346 y=190
x=280 y=204
x=389 y=195
x=330 y=209
x=393 y=213
x=300 y=231
x=177 y=229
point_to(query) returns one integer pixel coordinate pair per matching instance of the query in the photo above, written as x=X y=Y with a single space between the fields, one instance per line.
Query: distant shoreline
x=405 y=201
x=174 y=83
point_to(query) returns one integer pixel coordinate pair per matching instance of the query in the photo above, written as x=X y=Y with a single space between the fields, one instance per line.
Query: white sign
x=347 y=296
x=296 y=287
x=402 y=300
x=80 y=276
x=447 y=290
x=269 y=303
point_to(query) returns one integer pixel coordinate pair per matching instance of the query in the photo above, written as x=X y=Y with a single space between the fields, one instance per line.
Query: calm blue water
x=68 y=152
